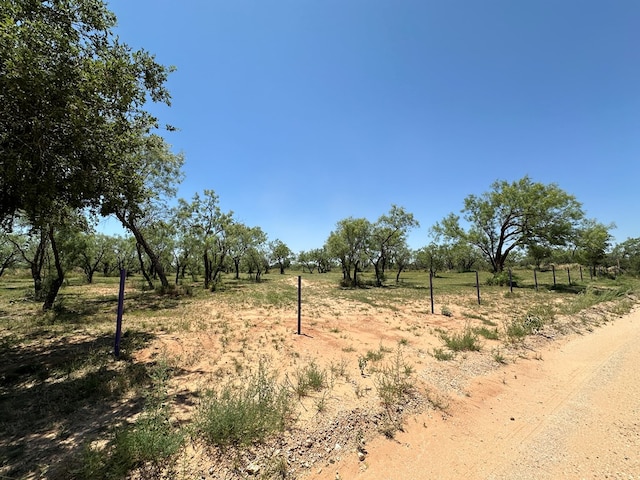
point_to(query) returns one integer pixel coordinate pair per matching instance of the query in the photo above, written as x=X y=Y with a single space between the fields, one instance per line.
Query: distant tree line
x=77 y=144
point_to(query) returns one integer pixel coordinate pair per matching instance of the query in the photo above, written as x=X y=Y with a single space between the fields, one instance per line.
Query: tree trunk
x=378 y=272
x=207 y=269
x=158 y=269
x=355 y=275
x=142 y=268
x=8 y=261
x=57 y=282
x=37 y=265
x=400 y=269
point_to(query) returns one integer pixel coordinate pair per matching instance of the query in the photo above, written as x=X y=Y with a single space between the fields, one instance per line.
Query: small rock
x=253 y=469
x=361 y=456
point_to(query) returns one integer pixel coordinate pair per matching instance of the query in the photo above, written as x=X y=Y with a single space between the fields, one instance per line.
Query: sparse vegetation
x=465 y=341
x=60 y=362
x=443 y=355
x=394 y=381
x=310 y=378
x=150 y=442
x=243 y=414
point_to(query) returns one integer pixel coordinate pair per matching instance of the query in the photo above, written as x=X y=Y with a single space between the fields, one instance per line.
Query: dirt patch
x=345 y=428
x=353 y=338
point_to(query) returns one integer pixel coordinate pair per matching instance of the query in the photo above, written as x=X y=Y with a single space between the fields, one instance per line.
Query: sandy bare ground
x=572 y=412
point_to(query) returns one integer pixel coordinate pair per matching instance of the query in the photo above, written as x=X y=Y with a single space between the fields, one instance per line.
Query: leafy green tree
x=125 y=253
x=142 y=208
x=431 y=257
x=593 y=241
x=187 y=244
x=8 y=253
x=256 y=261
x=514 y=215
x=627 y=255
x=241 y=239
x=72 y=99
x=305 y=259
x=401 y=258
x=387 y=235
x=322 y=258
x=119 y=255
x=280 y=254
x=348 y=243
x=87 y=251
x=47 y=247
x=211 y=227
x=461 y=256
x=32 y=243
x=538 y=254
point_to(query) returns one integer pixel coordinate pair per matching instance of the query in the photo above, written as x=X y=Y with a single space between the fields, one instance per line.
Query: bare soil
x=563 y=403
x=571 y=412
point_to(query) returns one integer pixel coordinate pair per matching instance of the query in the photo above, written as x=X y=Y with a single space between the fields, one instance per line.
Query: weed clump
x=310 y=378
x=519 y=328
x=465 y=341
x=149 y=443
x=237 y=416
x=443 y=355
x=393 y=381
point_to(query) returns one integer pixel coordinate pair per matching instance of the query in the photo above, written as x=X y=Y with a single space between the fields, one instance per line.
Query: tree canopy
x=72 y=99
x=514 y=215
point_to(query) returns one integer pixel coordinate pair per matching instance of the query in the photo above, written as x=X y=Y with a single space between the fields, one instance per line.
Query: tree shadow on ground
x=58 y=394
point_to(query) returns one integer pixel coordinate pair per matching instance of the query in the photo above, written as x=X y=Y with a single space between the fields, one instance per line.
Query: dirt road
x=572 y=411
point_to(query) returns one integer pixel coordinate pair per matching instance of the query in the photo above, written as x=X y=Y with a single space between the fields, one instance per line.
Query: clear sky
x=300 y=113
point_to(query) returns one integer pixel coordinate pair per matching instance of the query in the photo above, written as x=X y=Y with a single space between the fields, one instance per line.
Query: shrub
x=446 y=311
x=393 y=381
x=502 y=279
x=519 y=328
x=310 y=378
x=443 y=355
x=244 y=415
x=467 y=340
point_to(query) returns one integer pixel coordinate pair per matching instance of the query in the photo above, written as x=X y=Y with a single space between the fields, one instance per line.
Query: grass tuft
x=465 y=341
x=244 y=415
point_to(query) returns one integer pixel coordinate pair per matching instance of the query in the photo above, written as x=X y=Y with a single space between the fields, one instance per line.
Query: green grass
x=59 y=374
x=489 y=334
x=465 y=341
x=443 y=355
x=308 y=379
x=245 y=414
x=150 y=443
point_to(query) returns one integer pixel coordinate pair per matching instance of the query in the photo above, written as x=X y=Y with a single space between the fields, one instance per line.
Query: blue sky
x=300 y=113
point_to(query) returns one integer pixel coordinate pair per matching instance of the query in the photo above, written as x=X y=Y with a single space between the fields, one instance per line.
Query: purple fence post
x=431 y=288
x=299 y=304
